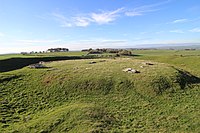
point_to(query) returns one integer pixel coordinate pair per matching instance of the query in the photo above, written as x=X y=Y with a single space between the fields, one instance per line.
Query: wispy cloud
x=104 y=41
x=81 y=21
x=138 y=11
x=184 y=20
x=62 y=19
x=2 y=34
x=96 y=43
x=106 y=17
x=114 y=41
x=180 y=21
x=177 y=31
x=195 y=30
x=103 y=17
x=38 y=41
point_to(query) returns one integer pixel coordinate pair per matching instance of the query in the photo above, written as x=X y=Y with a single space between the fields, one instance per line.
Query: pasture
x=96 y=95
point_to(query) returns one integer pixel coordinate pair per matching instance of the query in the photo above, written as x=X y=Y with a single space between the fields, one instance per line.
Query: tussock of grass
x=161 y=84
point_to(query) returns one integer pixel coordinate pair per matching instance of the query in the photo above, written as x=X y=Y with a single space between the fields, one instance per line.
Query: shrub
x=160 y=84
x=125 y=52
x=94 y=52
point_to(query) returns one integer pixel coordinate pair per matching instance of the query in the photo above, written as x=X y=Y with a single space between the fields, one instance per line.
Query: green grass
x=55 y=54
x=166 y=52
x=76 y=96
x=70 y=53
x=8 y=56
x=18 y=61
x=187 y=60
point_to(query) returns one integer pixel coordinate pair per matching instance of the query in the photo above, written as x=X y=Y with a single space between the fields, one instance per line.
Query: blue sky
x=34 y=25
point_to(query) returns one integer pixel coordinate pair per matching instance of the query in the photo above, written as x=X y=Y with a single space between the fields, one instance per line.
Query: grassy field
x=187 y=60
x=95 y=95
x=71 y=53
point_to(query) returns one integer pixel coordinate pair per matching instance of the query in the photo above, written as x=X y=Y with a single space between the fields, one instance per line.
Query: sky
x=36 y=25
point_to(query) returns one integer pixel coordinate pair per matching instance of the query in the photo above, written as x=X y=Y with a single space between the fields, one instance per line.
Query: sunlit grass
x=80 y=96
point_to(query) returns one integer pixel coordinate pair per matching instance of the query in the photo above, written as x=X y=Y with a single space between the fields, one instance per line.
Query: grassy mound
x=80 y=96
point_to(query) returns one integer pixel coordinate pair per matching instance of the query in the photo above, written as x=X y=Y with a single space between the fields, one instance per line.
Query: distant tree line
x=190 y=49
x=118 y=52
x=49 y=50
x=58 y=50
x=33 y=52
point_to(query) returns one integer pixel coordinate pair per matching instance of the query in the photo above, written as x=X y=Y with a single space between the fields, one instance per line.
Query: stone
x=127 y=69
x=148 y=63
x=92 y=62
x=37 y=65
x=130 y=70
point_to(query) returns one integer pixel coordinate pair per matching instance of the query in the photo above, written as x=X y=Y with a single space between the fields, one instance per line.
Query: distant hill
x=171 y=46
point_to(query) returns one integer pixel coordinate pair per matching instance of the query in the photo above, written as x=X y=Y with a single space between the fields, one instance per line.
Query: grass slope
x=76 y=96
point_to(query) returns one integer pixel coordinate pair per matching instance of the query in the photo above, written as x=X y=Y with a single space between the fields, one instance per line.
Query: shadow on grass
x=17 y=63
x=136 y=55
x=8 y=77
x=184 y=78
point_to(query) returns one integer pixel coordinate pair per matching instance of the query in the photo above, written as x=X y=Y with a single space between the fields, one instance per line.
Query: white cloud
x=106 y=17
x=95 y=43
x=62 y=19
x=184 y=20
x=84 y=20
x=79 y=21
x=180 y=21
x=138 y=11
x=195 y=30
x=177 y=31
x=133 y=13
